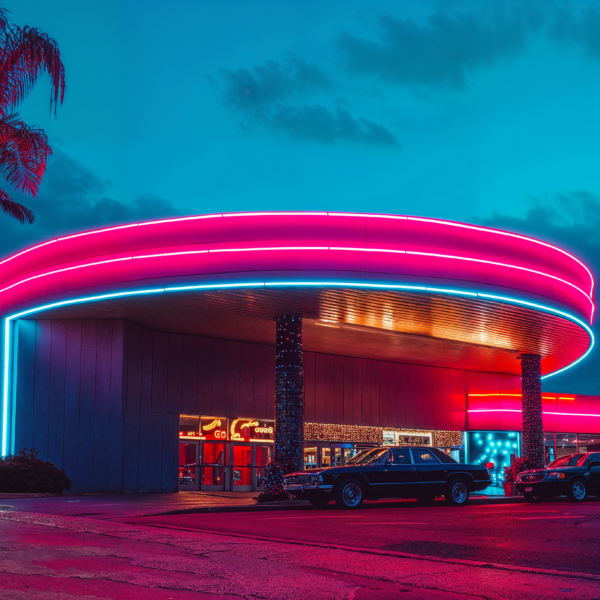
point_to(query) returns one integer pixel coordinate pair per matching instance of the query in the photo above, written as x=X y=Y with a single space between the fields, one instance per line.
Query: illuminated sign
x=251 y=429
x=213 y=428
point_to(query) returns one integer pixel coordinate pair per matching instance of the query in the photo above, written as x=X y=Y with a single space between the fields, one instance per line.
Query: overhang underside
x=429 y=329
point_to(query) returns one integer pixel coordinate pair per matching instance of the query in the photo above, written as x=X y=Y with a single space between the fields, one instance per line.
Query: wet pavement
x=385 y=551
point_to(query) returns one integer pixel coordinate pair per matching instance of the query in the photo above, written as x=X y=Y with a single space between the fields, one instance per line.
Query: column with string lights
x=289 y=394
x=533 y=428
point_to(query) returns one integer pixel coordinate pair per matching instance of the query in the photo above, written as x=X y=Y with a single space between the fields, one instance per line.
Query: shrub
x=26 y=473
x=519 y=465
x=274 y=473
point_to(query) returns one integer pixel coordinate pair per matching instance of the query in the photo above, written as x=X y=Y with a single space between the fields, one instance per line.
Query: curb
x=25 y=495
x=304 y=505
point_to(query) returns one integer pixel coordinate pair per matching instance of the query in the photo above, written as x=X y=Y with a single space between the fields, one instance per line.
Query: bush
x=274 y=491
x=26 y=473
x=519 y=465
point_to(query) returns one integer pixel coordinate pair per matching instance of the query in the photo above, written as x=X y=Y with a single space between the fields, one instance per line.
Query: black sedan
x=422 y=473
x=575 y=476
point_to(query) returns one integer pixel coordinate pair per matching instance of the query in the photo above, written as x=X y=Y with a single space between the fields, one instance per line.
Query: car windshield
x=369 y=457
x=565 y=461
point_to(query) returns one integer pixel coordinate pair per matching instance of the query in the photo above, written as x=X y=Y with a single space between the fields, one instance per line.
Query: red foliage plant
x=26 y=473
x=25 y=54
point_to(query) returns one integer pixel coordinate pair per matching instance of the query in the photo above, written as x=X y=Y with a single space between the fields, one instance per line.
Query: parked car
x=422 y=473
x=574 y=475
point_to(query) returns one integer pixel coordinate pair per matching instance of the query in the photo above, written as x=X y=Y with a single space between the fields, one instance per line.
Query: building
x=132 y=354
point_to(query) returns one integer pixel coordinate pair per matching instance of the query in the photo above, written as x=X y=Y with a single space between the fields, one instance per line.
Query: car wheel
x=349 y=494
x=532 y=498
x=425 y=499
x=457 y=492
x=319 y=502
x=577 y=491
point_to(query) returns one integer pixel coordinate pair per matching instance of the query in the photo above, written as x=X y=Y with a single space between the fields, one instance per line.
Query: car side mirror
x=593 y=463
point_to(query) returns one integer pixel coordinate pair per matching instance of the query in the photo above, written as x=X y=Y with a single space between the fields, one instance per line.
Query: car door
x=400 y=474
x=594 y=471
x=430 y=475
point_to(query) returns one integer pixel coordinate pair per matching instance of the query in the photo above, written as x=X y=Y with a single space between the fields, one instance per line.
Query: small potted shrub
x=273 y=482
x=510 y=476
x=25 y=473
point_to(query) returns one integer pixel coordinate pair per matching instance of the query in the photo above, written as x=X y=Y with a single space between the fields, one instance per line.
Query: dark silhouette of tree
x=25 y=55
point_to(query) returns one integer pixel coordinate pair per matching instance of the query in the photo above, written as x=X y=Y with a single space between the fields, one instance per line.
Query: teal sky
x=482 y=111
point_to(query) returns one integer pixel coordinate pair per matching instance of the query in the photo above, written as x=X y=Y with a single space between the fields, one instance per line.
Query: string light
x=364 y=434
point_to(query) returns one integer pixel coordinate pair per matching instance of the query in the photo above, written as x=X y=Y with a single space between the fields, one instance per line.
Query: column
x=289 y=393
x=533 y=428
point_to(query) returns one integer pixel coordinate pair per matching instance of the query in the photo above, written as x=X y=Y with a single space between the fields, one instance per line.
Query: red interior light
x=490 y=465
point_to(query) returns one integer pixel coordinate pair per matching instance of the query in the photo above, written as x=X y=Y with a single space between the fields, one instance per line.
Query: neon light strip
x=280 y=248
x=7 y=320
x=330 y=214
x=544 y=412
x=516 y=396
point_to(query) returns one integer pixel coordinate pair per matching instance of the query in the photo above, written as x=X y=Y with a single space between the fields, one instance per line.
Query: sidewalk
x=110 y=506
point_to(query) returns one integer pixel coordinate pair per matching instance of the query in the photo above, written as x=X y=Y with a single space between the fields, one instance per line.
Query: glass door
x=261 y=460
x=213 y=462
x=189 y=472
x=241 y=467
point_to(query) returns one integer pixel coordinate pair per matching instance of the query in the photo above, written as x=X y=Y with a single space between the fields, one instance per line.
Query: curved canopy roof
x=401 y=288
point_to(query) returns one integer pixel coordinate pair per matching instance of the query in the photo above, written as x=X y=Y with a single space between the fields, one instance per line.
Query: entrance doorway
x=241 y=467
x=189 y=469
x=213 y=466
x=262 y=457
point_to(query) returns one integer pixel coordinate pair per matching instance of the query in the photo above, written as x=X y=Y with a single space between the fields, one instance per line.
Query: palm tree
x=25 y=55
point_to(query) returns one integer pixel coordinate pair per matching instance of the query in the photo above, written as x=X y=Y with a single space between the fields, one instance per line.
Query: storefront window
x=549 y=448
x=310 y=458
x=189 y=426
x=325 y=457
x=588 y=442
x=566 y=443
x=495 y=447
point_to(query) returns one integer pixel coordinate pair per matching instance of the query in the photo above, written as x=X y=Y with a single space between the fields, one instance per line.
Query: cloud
x=74 y=198
x=444 y=51
x=571 y=221
x=572 y=29
x=279 y=97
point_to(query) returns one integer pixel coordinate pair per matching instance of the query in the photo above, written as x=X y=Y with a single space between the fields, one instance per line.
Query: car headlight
x=555 y=475
x=320 y=478
x=314 y=479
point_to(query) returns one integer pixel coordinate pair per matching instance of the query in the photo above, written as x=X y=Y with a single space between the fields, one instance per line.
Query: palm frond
x=14 y=209
x=25 y=54
x=24 y=152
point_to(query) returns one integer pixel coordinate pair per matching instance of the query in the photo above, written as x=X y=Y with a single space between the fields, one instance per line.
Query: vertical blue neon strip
x=413 y=288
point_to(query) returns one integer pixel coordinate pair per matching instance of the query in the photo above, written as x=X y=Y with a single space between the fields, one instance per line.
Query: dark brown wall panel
x=160 y=371
x=205 y=360
x=175 y=373
x=247 y=371
x=189 y=392
x=56 y=396
x=262 y=372
x=102 y=405
x=320 y=388
x=356 y=391
x=134 y=367
x=375 y=384
x=146 y=383
x=219 y=378
x=232 y=388
x=348 y=416
x=338 y=412
x=329 y=403
x=310 y=400
x=86 y=405
x=117 y=407
x=25 y=352
x=365 y=391
x=43 y=346
x=392 y=391
x=72 y=402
